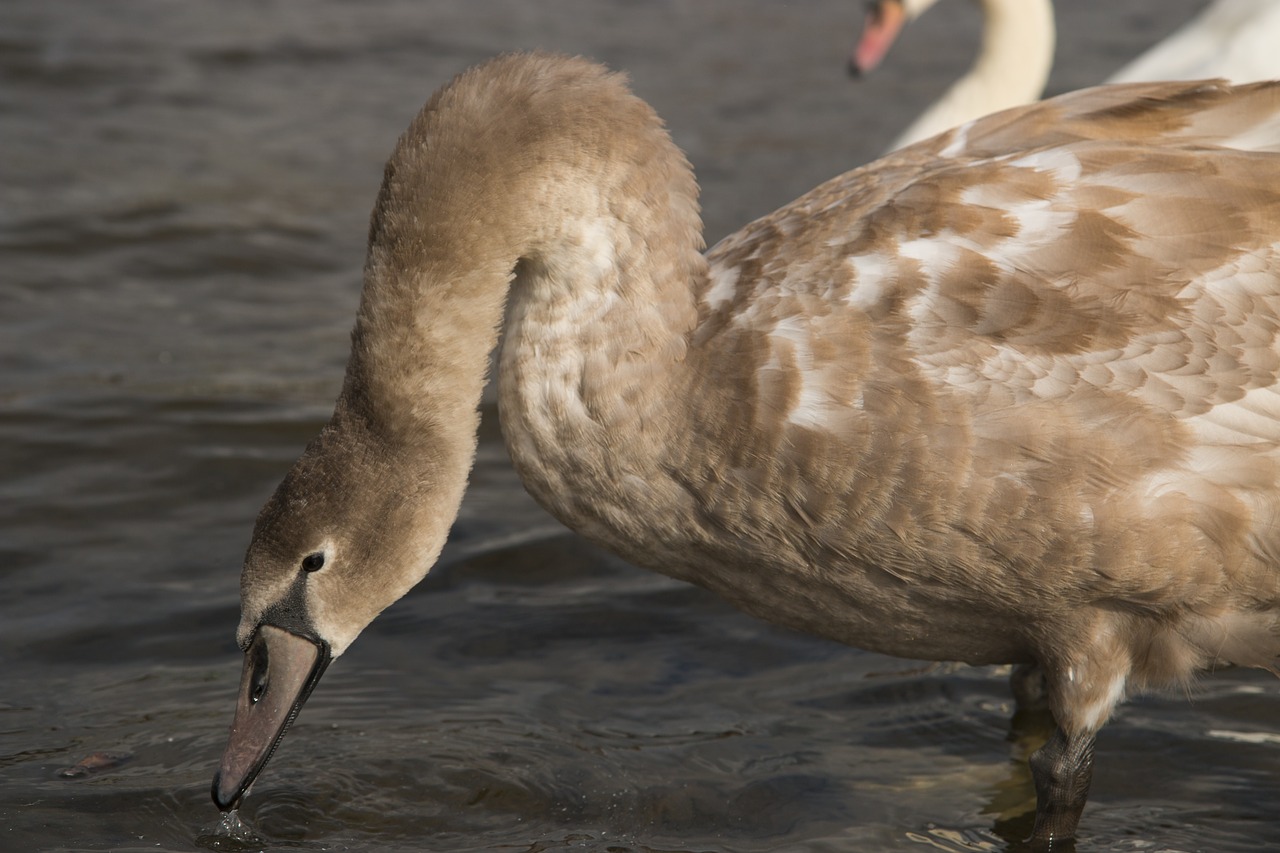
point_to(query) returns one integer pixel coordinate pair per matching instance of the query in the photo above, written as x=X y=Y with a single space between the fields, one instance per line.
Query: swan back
x=1025 y=301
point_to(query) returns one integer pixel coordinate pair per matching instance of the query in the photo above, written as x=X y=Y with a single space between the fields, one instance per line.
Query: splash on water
x=230 y=834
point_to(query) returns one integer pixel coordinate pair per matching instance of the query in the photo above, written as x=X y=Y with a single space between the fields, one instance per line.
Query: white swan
x=1238 y=40
x=1009 y=395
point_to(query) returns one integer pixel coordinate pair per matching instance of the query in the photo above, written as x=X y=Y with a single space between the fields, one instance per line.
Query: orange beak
x=885 y=19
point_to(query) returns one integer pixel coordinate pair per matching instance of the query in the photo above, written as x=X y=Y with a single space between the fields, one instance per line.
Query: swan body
x=1231 y=39
x=1009 y=395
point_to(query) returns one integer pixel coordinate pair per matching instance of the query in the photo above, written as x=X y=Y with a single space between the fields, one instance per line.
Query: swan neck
x=1018 y=39
x=569 y=188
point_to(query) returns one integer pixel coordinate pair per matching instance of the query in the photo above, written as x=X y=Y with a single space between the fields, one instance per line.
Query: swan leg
x=1083 y=689
x=1062 y=770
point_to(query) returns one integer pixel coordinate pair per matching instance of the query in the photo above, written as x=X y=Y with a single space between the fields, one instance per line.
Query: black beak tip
x=225 y=802
x=855 y=71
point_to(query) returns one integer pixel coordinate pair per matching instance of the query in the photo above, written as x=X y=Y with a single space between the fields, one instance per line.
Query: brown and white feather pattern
x=1047 y=344
x=1009 y=395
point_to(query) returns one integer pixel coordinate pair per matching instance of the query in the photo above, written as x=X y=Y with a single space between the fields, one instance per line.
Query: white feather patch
x=724 y=284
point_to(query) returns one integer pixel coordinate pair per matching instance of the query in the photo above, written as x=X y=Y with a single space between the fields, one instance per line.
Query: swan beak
x=885 y=19
x=280 y=671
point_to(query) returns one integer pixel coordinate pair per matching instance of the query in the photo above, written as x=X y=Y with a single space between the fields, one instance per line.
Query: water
x=185 y=191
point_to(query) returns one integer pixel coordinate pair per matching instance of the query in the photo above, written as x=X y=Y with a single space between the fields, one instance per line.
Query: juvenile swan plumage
x=1008 y=395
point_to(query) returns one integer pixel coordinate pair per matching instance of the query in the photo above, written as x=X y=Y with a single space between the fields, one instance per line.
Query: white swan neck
x=1012 y=68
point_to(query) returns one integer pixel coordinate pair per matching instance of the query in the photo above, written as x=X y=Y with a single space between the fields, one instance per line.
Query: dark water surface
x=184 y=188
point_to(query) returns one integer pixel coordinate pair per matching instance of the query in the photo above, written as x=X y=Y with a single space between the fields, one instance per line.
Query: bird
x=1009 y=395
x=1232 y=39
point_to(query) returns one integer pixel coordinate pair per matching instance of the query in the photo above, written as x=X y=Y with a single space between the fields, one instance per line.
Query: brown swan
x=1011 y=394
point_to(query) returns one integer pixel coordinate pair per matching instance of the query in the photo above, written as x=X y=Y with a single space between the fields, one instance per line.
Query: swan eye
x=313 y=562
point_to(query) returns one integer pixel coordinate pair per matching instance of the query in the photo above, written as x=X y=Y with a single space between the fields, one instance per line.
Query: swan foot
x=1062 y=770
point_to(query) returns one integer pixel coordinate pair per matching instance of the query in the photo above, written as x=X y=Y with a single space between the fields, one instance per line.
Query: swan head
x=352 y=527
